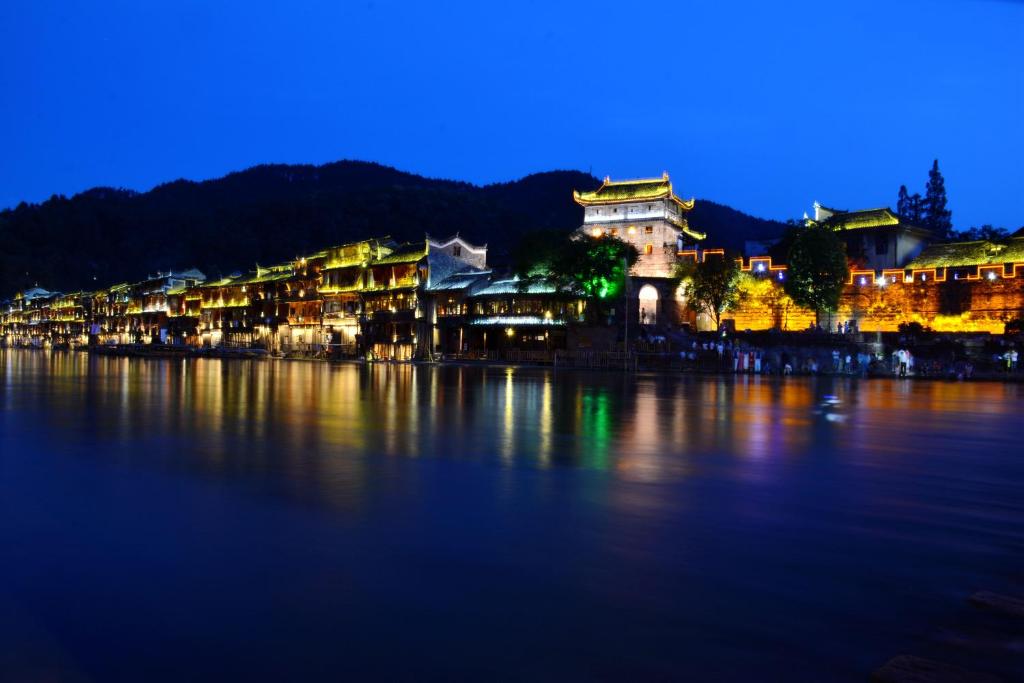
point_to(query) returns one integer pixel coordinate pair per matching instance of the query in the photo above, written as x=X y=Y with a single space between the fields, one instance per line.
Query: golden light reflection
x=327 y=432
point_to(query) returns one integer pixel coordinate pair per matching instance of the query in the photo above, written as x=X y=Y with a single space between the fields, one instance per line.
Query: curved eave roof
x=620 y=191
x=685 y=227
x=517 y=321
x=403 y=254
x=966 y=254
x=517 y=286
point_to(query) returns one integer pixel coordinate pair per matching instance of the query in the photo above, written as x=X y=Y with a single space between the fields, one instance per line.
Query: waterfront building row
x=373 y=297
x=441 y=296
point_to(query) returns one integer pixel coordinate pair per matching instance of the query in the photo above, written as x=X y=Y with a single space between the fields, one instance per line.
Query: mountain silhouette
x=271 y=213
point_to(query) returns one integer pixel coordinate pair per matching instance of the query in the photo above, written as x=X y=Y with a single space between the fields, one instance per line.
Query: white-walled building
x=645 y=213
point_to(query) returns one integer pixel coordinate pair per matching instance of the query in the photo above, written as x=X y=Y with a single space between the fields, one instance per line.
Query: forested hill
x=271 y=213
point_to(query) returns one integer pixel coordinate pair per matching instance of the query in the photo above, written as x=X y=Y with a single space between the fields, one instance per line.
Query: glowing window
x=648 y=248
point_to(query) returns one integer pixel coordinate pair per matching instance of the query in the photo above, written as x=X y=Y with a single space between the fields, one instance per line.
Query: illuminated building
x=511 y=313
x=69 y=319
x=148 y=308
x=343 y=278
x=302 y=330
x=26 y=318
x=439 y=296
x=451 y=307
x=397 y=306
x=647 y=214
x=875 y=238
x=241 y=309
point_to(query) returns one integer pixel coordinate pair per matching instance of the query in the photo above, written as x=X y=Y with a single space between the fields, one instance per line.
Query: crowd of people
x=740 y=356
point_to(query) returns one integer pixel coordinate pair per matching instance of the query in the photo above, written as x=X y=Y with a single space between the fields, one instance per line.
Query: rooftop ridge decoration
x=445 y=242
x=636 y=189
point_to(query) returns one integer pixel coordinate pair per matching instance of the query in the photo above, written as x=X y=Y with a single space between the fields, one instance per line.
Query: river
x=275 y=520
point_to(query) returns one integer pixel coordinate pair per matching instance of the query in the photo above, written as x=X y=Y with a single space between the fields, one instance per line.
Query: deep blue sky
x=763 y=106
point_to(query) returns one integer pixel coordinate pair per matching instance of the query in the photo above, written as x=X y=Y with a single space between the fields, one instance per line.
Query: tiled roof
x=517 y=286
x=977 y=253
x=631 y=190
x=459 y=281
x=867 y=218
x=406 y=253
x=514 y=320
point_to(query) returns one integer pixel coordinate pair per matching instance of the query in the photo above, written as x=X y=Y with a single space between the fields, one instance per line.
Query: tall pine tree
x=937 y=217
x=903 y=203
x=915 y=209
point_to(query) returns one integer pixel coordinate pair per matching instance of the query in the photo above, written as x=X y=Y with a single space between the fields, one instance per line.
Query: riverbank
x=778 y=362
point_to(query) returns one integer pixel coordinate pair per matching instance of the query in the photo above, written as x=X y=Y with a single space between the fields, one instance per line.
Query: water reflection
x=312 y=426
x=721 y=519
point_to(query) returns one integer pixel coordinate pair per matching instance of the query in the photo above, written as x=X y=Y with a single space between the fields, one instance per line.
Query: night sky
x=762 y=106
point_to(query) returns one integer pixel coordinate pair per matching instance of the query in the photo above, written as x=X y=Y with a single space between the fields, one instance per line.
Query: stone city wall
x=953 y=305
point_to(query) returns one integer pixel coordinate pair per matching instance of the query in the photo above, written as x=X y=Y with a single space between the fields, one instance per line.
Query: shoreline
x=263 y=355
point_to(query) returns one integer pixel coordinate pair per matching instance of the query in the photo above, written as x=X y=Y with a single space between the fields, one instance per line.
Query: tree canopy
x=930 y=211
x=938 y=218
x=592 y=267
x=817 y=269
x=984 y=232
x=712 y=285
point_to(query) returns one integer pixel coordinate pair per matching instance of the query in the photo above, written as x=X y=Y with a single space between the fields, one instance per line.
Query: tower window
x=457 y=250
x=648 y=230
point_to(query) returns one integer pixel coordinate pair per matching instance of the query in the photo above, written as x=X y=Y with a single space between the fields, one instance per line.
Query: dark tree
x=915 y=209
x=985 y=232
x=535 y=253
x=592 y=267
x=712 y=285
x=903 y=203
x=817 y=269
x=936 y=216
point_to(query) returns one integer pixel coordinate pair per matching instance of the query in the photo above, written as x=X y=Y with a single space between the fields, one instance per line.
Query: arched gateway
x=647 y=313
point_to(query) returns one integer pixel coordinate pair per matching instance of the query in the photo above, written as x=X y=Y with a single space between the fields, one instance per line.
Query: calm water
x=205 y=520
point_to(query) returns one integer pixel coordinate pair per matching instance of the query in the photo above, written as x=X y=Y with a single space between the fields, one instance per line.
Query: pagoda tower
x=647 y=214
